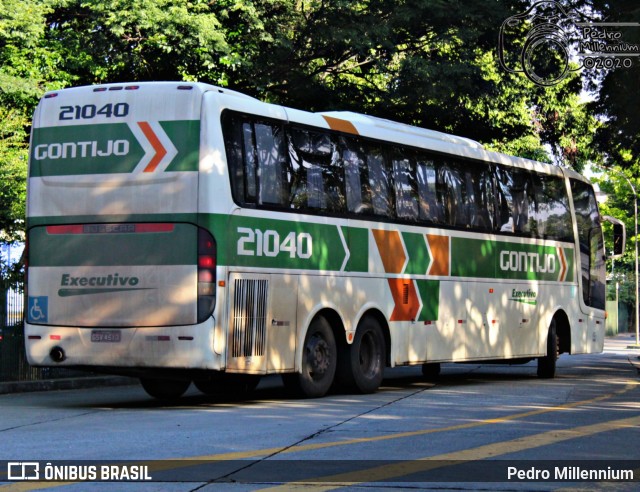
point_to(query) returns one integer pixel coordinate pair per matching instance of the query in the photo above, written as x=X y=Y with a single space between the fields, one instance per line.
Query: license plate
x=109 y=336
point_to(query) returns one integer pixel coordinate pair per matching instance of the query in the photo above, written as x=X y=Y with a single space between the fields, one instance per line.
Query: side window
x=551 y=213
x=478 y=196
x=257 y=162
x=406 y=189
x=272 y=166
x=451 y=182
x=590 y=238
x=318 y=176
x=515 y=200
x=431 y=208
x=234 y=146
x=504 y=184
x=380 y=184
x=354 y=160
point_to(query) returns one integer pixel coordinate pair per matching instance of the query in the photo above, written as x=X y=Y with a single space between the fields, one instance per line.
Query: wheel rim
x=318 y=357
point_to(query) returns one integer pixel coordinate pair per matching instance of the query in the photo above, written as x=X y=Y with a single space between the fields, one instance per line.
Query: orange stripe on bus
x=406 y=299
x=563 y=262
x=340 y=125
x=439 y=246
x=155 y=143
x=391 y=250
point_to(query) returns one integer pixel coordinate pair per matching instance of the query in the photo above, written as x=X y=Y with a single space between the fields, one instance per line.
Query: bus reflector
x=206 y=274
x=55 y=337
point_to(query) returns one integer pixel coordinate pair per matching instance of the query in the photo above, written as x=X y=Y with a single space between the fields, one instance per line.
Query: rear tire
x=165 y=389
x=547 y=364
x=319 y=357
x=362 y=363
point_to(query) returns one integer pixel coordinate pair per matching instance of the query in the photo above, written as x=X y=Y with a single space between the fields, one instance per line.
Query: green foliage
x=23 y=70
x=616 y=184
x=137 y=40
x=618 y=138
x=432 y=63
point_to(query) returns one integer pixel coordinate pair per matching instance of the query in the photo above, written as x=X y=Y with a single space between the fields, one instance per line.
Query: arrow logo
x=563 y=265
x=158 y=148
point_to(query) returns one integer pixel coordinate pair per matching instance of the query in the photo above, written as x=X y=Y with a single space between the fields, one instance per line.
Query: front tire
x=547 y=364
x=319 y=358
x=165 y=389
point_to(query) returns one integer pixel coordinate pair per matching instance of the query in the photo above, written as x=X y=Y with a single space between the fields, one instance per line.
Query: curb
x=64 y=384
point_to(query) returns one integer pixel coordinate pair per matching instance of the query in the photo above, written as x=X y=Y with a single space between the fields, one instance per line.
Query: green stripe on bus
x=429 y=291
x=506 y=260
x=113 y=249
x=185 y=136
x=84 y=149
x=110 y=148
x=419 y=259
x=269 y=243
x=358 y=241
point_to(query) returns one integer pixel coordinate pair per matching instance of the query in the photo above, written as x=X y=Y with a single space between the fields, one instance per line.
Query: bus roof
x=403 y=128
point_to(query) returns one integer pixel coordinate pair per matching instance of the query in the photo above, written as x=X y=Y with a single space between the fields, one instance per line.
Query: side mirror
x=619 y=236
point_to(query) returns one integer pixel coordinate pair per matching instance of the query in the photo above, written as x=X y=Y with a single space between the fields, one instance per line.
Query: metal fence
x=13 y=359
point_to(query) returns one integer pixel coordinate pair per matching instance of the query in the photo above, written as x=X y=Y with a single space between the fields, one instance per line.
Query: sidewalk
x=624 y=344
x=621 y=343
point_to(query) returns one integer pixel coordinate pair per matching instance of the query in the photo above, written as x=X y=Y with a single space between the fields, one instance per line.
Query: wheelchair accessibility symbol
x=38 y=309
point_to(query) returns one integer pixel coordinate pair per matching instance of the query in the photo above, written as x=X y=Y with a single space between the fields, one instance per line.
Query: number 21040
x=254 y=242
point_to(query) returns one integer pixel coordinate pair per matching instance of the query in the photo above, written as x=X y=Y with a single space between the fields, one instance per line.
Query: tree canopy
x=431 y=63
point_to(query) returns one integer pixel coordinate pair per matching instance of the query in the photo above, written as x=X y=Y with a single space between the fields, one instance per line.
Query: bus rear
x=120 y=275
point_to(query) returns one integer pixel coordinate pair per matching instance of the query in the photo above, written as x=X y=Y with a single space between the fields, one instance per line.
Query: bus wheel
x=547 y=364
x=365 y=359
x=318 y=361
x=228 y=385
x=165 y=389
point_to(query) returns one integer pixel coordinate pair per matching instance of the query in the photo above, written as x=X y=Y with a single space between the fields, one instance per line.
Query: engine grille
x=249 y=318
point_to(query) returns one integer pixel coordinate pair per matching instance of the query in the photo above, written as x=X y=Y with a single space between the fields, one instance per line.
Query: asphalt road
x=478 y=427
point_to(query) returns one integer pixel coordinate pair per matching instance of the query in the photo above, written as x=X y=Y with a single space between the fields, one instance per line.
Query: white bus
x=180 y=232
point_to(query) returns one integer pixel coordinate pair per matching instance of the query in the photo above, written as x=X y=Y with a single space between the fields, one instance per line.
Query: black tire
x=165 y=389
x=228 y=384
x=362 y=363
x=547 y=364
x=431 y=371
x=319 y=357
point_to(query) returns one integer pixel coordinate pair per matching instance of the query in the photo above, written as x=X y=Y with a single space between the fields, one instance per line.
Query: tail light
x=206 y=275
